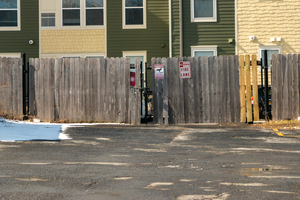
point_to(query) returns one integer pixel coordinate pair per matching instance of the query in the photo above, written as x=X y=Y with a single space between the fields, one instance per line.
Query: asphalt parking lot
x=153 y=162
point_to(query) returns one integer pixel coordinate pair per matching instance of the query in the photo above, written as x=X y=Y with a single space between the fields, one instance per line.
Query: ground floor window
x=271 y=49
x=132 y=55
x=202 y=51
x=10 y=55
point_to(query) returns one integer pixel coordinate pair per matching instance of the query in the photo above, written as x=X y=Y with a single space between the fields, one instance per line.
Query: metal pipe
x=24 y=82
x=266 y=83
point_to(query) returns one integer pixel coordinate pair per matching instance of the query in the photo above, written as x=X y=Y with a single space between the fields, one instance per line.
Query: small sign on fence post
x=185 y=69
x=159 y=71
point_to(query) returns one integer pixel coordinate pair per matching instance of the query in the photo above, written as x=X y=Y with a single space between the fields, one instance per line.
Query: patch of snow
x=11 y=131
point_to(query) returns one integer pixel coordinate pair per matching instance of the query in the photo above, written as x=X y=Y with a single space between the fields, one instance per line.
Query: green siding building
x=150 y=36
x=19 y=23
x=196 y=28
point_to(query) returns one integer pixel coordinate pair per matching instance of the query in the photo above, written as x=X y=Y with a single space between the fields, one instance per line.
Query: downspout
x=180 y=19
x=40 y=31
x=170 y=29
x=236 y=28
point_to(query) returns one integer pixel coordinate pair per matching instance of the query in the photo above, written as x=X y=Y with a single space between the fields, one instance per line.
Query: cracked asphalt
x=154 y=162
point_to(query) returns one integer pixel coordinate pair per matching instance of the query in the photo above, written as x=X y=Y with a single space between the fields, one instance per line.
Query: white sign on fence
x=159 y=71
x=185 y=69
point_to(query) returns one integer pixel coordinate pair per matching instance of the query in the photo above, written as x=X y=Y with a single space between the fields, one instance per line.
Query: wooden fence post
x=248 y=89
x=242 y=88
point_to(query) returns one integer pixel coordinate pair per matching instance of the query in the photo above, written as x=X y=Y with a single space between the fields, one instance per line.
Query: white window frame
x=18 y=27
x=62 y=14
x=10 y=55
x=269 y=47
x=46 y=27
x=204 y=19
x=213 y=48
x=89 y=8
x=139 y=26
x=72 y=55
x=137 y=53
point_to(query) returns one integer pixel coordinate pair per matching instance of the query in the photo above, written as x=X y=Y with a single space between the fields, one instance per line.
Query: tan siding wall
x=266 y=19
x=72 y=41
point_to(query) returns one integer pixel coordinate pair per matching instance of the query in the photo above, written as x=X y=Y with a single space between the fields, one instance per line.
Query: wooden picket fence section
x=210 y=95
x=83 y=90
x=248 y=88
x=11 y=90
x=285 y=86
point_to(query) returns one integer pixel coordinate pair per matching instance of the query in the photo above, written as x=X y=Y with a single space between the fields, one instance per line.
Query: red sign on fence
x=185 y=69
x=159 y=71
x=132 y=79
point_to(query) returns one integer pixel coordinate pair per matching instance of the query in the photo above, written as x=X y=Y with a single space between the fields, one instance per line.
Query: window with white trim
x=9 y=13
x=202 y=51
x=48 y=19
x=136 y=54
x=203 y=10
x=71 y=12
x=134 y=13
x=10 y=55
x=271 y=49
x=94 y=12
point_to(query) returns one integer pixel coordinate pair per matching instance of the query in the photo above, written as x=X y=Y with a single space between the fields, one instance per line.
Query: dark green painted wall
x=175 y=28
x=210 y=33
x=17 y=41
x=150 y=39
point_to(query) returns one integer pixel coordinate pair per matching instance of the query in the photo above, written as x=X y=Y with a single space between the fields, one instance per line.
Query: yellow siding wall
x=266 y=19
x=72 y=41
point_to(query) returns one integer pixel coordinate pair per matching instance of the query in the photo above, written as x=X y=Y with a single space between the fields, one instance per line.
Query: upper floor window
x=94 y=12
x=48 y=19
x=134 y=14
x=71 y=12
x=203 y=10
x=9 y=14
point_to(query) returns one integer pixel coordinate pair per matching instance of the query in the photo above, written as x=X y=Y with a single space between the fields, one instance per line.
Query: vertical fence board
x=138 y=97
x=191 y=92
x=237 y=90
x=285 y=87
x=232 y=88
x=159 y=96
x=176 y=91
x=298 y=71
x=196 y=82
x=255 y=88
x=242 y=88
x=280 y=86
x=37 y=85
x=14 y=83
x=165 y=91
x=248 y=88
x=171 y=98
x=274 y=83
x=205 y=84
x=295 y=100
x=127 y=86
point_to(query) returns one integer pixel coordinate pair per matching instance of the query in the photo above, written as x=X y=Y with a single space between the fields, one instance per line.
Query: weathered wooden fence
x=210 y=95
x=285 y=86
x=83 y=90
x=11 y=90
